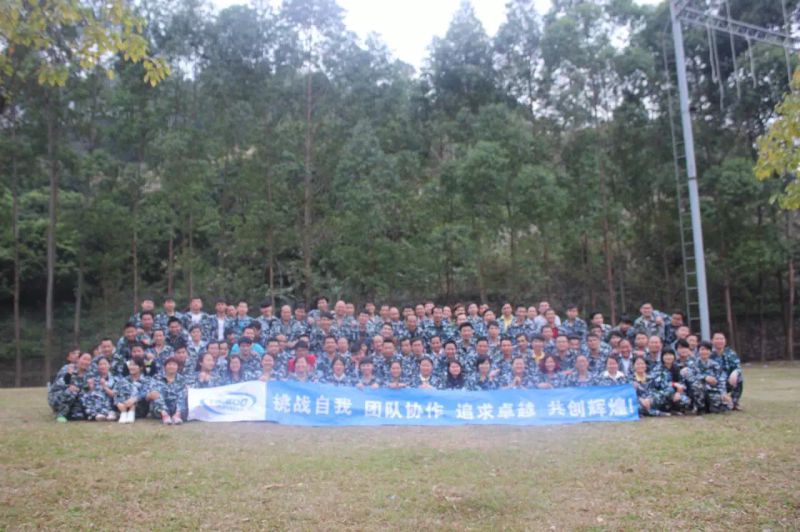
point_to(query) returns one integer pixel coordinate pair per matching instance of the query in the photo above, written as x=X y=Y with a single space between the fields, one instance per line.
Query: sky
x=408 y=26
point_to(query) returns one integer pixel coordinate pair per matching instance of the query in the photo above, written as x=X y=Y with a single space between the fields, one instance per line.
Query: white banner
x=246 y=401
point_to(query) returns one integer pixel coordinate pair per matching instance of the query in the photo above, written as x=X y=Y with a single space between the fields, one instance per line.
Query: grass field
x=738 y=471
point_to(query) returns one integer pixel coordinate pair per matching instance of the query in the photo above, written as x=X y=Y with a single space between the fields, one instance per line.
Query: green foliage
x=778 y=150
x=478 y=178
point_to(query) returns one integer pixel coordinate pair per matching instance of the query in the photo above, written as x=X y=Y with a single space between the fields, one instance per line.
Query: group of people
x=148 y=370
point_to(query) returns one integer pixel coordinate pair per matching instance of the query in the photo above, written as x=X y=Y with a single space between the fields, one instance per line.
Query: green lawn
x=738 y=471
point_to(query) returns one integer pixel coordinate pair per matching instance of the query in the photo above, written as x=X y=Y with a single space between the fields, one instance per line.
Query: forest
x=284 y=157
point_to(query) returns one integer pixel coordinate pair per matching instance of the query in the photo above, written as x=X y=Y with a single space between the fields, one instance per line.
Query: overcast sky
x=407 y=26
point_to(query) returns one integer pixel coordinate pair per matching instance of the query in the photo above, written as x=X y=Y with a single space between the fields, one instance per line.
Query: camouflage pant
x=683 y=404
x=145 y=408
x=69 y=404
x=736 y=391
x=706 y=398
x=96 y=403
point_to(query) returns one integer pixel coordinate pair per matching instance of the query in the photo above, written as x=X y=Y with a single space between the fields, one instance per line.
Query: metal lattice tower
x=696 y=288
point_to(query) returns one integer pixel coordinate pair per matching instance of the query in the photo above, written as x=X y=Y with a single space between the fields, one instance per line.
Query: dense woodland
x=284 y=157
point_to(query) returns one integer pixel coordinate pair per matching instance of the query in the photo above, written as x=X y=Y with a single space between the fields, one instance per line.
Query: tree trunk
x=190 y=261
x=51 y=234
x=607 y=251
x=762 y=325
x=790 y=310
x=76 y=328
x=15 y=237
x=270 y=239
x=170 y=263
x=512 y=241
x=307 y=190
x=729 y=310
x=135 y=253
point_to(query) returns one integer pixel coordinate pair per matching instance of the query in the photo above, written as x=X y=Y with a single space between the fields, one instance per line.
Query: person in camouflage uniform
x=613 y=374
x=98 y=401
x=573 y=325
x=145 y=394
x=709 y=384
x=172 y=388
x=669 y=373
x=66 y=393
x=731 y=365
x=653 y=394
x=483 y=379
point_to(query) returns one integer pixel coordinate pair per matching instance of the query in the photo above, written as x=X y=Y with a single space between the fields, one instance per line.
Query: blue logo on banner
x=296 y=403
x=229 y=403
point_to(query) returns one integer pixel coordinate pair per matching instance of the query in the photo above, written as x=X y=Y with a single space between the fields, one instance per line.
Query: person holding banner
x=204 y=378
x=581 y=377
x=367 y=378
x=235 y=373
x=455 y=376
x=549 y=373
x=338 y=374
x=426 y=379
x=267 y=367
x=519 y=379
x=395 y=380
x=483 y=379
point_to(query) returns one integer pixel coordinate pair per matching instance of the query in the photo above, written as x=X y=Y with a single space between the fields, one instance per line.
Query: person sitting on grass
x=145 y=395
x=97 y=402
x=395 y=380
x=549 y=375
x=172 y=387
x=678 y=401
x=69 y=388
x=709 y=383
x=651 y=392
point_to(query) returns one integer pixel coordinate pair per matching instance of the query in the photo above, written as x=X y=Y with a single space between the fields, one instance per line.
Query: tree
x=779 y=148
x=64 y=37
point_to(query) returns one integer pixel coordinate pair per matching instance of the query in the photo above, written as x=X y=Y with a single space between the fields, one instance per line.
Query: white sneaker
x=100 y=417
x=123 y=417
x=112 y=416
x=131 y=416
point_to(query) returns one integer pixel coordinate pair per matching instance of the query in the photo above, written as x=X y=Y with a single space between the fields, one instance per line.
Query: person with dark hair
x=67 y=391
x=678 y=401
x=549 y=375
x=708 y=382
x=98 y=401
x=268 y=372
x=483 y=379
x=426 y=377
x=204 y=372
x=337 y=376
x=302 y=371
x=731 y=366
x=613 y=374
x=162 y=318
x=172 y=387
x=455 y=376
x=395 y=379
x=235 y=372
x=145 y=394
x=175 y=334
x=215 y=326
x=573 y=325
x=366 y=375
x=652 y=393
